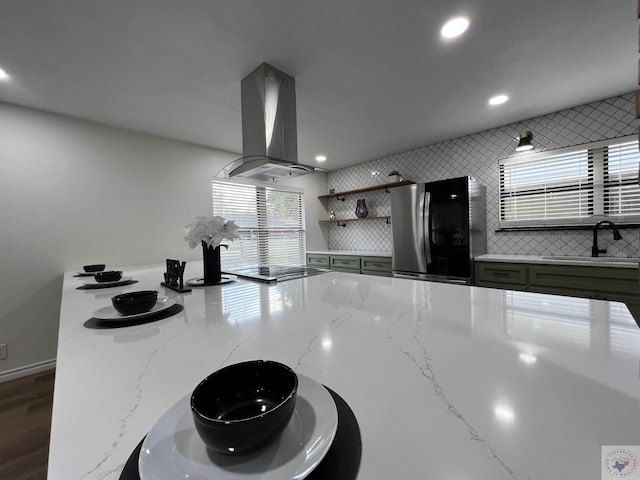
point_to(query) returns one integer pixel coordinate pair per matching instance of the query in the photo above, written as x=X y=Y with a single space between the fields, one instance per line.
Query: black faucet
x=616 y=236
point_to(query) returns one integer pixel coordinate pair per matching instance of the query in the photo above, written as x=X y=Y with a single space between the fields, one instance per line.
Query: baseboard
x=27 y=370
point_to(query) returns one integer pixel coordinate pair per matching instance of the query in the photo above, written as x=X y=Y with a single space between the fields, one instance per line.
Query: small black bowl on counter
x=133 y=303
x=108 y=276
x=243 y=407
x=98 y=267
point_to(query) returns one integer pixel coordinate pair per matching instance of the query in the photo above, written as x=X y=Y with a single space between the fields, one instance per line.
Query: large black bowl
x=94 y=268
x=133 y=303
x=243 y=407
x=108 y=276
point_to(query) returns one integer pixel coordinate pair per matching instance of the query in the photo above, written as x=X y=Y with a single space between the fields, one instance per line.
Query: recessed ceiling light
x=3 y=75
x=498 y=99
x=454 y=27
x=321 y=158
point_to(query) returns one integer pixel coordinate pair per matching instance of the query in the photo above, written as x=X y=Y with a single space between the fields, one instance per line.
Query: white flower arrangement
x=212 y=230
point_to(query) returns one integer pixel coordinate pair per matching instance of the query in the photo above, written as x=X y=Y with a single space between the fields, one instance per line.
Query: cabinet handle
x=500 y=274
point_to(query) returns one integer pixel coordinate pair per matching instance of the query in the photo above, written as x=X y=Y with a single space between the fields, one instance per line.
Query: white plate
x=110 y=313
x=173 y=449
x=92 y=282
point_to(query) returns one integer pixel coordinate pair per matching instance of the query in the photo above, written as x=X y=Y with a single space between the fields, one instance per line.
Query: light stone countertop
x=618 y=262
x=446 y=381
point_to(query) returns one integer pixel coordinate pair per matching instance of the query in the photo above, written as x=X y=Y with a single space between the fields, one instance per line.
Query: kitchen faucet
x=616 y=236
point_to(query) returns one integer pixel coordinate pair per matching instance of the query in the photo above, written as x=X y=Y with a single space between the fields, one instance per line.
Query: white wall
x=314 y=184
x=75 y=192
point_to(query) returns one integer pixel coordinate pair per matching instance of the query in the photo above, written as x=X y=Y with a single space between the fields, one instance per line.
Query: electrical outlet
x=3 y=352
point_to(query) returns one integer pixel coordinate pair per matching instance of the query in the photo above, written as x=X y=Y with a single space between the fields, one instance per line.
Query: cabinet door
x=381 y=264
x=317 y=260
x=502 y=275
x=344 y=262
x=603 y=282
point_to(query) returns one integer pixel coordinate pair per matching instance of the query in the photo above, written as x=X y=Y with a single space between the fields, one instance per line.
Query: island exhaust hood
x=269 y=133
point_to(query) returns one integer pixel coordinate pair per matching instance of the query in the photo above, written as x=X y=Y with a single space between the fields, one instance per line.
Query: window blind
x=622 y=195
x=271 y=221
x=571 y=186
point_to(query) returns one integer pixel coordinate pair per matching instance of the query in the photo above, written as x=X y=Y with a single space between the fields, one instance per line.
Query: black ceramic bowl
x=243 y=407
x=94 y=268
x=109 y=276
x=135 y=302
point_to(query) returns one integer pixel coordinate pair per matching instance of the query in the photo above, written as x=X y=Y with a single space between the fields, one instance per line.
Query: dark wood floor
x=25 y=423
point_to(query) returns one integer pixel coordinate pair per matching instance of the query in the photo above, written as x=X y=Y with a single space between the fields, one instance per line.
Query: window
x=271 y=221
x=580 y=185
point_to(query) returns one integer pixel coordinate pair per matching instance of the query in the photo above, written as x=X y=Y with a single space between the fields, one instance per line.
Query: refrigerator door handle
x=426 y=225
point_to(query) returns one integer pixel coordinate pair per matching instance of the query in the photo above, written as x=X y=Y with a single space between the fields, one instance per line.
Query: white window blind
x=622 y=195
x=271 y=221
x=572 y=186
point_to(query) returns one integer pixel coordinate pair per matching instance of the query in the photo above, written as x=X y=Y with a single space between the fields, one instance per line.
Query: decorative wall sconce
x=396 y=176
x=525 y=141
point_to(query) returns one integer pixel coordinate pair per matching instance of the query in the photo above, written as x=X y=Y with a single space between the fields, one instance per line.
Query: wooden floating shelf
x=341 y=222
x=385 y=186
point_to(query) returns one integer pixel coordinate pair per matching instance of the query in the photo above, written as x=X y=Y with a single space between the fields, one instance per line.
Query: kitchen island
x=446 y=381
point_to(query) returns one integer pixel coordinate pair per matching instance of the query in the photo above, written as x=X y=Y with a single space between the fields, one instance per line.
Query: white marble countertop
x=446 y=381
x=618 y=262
x=357 y=253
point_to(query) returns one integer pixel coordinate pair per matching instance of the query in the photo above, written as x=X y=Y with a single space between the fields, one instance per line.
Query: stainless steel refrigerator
x=438 y=228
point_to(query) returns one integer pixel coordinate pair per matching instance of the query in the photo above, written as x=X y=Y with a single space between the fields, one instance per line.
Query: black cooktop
x=274 y=273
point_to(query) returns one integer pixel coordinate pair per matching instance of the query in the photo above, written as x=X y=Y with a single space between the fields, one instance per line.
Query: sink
x=594 y=259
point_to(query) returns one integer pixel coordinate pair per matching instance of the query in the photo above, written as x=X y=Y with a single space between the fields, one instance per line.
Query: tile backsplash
x=477 y=155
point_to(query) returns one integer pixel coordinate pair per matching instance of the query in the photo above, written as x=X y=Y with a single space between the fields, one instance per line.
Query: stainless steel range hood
x=269 y=132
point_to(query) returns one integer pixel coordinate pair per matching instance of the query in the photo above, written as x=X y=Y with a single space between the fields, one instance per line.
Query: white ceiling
x=372 y=76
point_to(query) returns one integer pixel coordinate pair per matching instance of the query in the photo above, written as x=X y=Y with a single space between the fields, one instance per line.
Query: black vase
x=361 y=209
x=211 y=261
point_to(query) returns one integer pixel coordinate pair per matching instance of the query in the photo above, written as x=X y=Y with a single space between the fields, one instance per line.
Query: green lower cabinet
x=379 y=264
x=599 y=280
x=511 y=276
x=370 y=265
x=317 y=260
x=344 y=263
